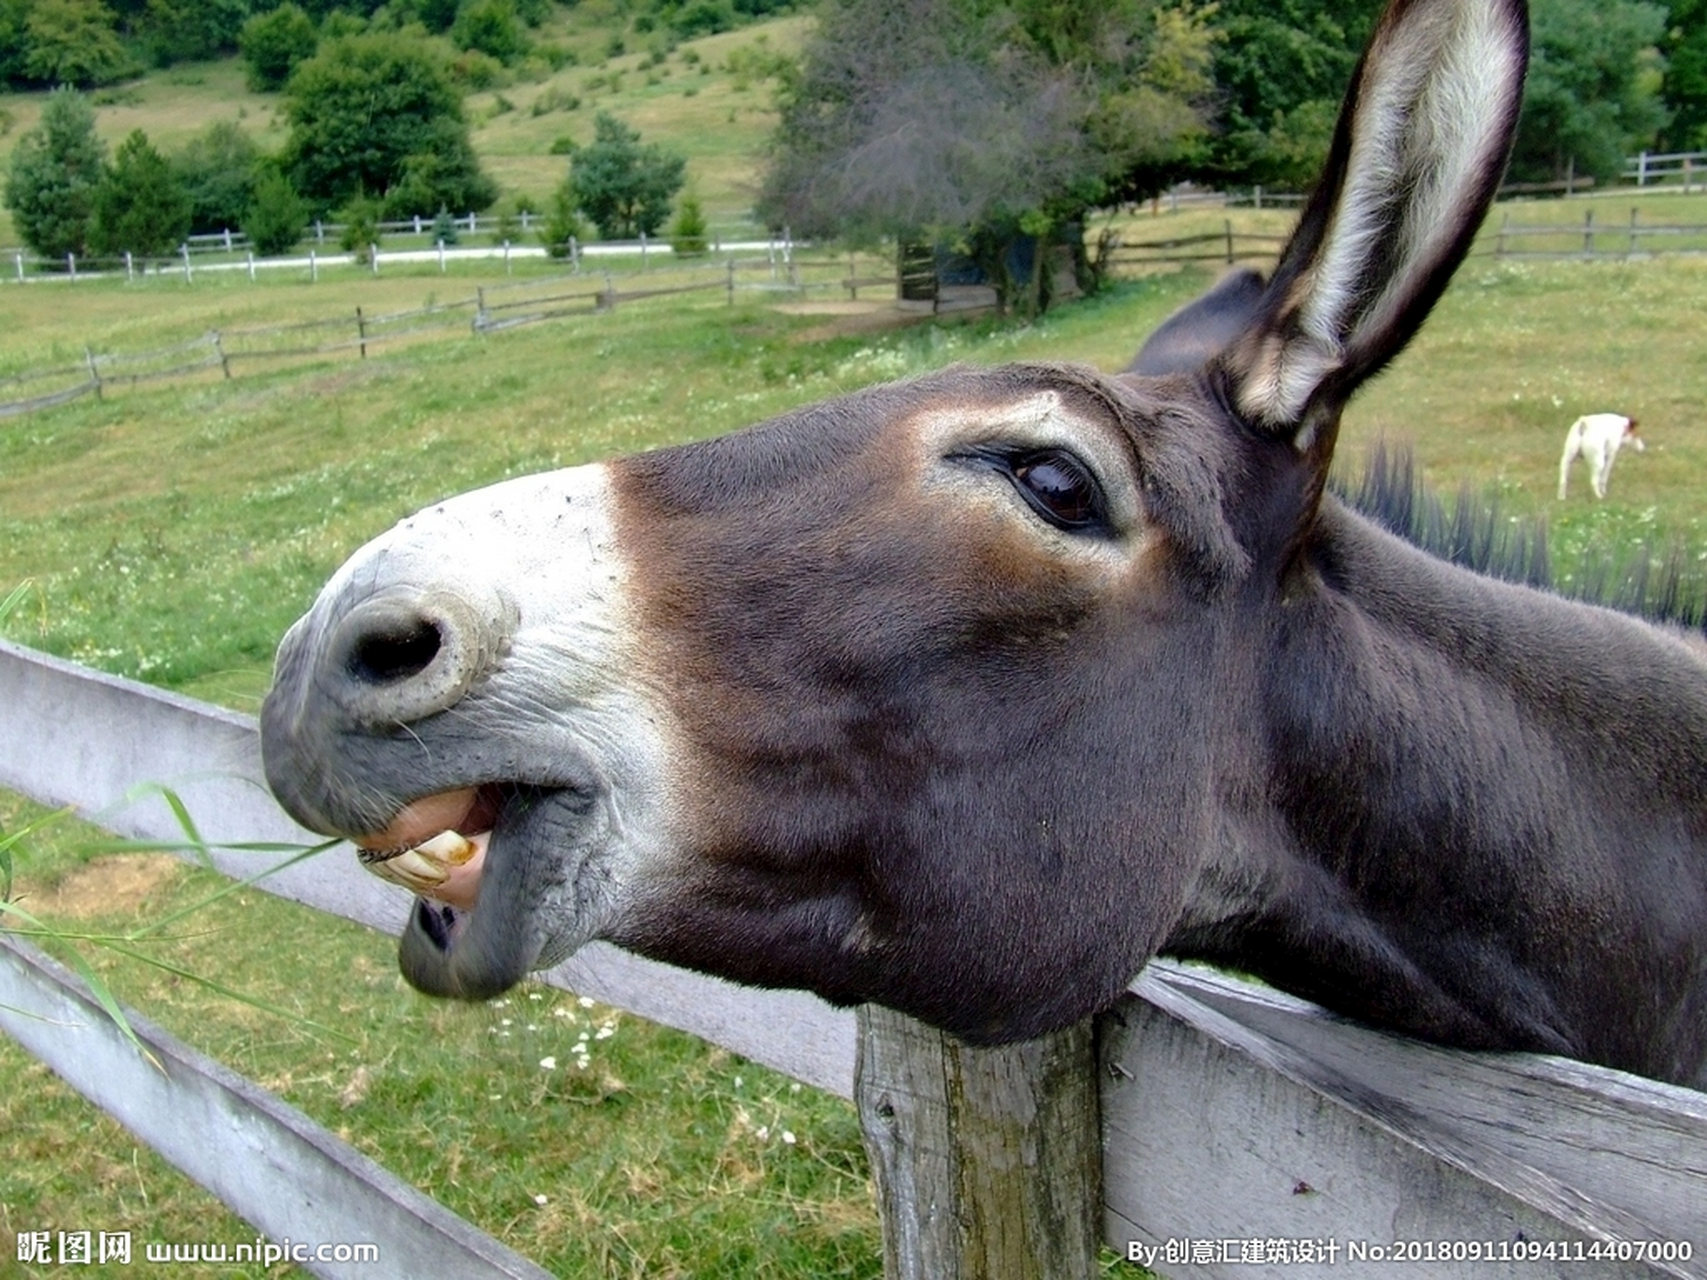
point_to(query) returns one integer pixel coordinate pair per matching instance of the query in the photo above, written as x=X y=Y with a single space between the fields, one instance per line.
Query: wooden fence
x=492 y=308
x=1205 y=1127
x=1596 y=237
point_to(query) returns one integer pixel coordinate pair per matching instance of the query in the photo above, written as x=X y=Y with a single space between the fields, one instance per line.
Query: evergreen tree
x=276 y=216
x=55 y=171
x=563 y=222
x=140 y=206
x=687 y=232
x=625 y=186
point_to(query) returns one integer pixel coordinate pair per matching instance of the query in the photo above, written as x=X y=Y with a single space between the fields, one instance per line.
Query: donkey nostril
x=401 y=652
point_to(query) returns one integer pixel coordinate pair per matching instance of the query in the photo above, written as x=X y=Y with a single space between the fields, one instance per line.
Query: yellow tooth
x=448 y=847
x=411 y=870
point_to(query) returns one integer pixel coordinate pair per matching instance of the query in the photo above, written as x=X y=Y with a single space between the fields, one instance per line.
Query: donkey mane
x=1658 y=583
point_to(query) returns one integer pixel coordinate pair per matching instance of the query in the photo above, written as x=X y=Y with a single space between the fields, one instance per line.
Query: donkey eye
x=1061 y=489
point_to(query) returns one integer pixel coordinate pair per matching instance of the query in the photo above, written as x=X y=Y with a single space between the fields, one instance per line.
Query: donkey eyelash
x=1056 y=484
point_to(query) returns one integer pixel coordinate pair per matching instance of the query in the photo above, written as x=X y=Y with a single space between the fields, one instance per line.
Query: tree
x=1280 y=67
x=140 y=207
x=1685 y=85
x=192 y=30
x=217 y=170
x=492 y=27
x=72 y=42
x=276 y=215
x=1591 y=97
x=55 y=171
x=272 y=44
x=563 y=223
x=365 y=111
x=687 y=232
x=993 y=123
x=625 y=187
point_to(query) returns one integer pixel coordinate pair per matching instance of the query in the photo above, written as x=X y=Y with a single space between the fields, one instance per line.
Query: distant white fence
x=1243 y=1133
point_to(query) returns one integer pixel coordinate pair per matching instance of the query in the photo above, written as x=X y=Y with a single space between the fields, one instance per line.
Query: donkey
x=1596 y=439
x=970 y=694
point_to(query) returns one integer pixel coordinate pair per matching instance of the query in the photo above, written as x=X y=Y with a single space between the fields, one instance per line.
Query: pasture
x=174 y=531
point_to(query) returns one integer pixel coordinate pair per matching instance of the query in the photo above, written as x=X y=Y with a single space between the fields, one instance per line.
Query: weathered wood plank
x=1216 y=1131
x=273 y=1166
x=986 y=1160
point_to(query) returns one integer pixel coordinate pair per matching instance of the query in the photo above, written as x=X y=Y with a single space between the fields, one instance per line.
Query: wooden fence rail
x=1242 y=1133
x=492 y=309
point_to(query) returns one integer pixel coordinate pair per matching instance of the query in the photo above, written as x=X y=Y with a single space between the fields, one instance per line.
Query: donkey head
x=933 y=695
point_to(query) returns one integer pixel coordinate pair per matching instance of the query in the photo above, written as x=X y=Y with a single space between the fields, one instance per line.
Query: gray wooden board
x=1217 y=1131
x=276 y=1168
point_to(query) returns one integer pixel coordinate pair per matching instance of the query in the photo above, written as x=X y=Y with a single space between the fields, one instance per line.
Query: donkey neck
x=1437 y=748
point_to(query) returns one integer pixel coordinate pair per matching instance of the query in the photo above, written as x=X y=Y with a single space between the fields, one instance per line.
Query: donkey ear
x=1417 y=155
x=1192 y=336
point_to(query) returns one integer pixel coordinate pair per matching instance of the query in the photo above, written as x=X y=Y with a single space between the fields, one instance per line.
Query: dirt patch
x=851 y=319
x=103 y=886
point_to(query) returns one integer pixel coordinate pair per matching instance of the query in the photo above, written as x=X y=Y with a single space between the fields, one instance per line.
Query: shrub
x=687 y=232
x=216 y=169
x=490 y=26
x=361 y=227
x=563 y=222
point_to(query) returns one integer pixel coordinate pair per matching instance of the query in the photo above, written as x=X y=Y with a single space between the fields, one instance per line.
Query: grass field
x=173 y=531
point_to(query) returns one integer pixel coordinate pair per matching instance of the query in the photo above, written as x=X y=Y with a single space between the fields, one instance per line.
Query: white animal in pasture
x=1595 y=438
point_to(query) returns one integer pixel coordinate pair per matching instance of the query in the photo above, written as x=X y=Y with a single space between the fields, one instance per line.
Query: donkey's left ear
x=1417 y=156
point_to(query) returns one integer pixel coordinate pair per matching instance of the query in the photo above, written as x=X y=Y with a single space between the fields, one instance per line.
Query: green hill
x=707 y=99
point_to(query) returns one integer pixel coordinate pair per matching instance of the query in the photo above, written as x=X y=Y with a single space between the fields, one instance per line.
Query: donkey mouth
x=481 y=860
x=436 y=846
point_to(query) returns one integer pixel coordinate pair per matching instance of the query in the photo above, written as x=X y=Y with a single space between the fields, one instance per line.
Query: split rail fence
x=1206 y=1126
x=777 y=271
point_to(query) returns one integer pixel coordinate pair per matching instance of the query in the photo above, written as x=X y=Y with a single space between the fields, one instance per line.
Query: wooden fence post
x=188 y=276
x=1588 y=233
x=1633 y=213
x=224 y=360
x=731 y=281
x=1499 y=244
x=988 y=1162
x=361 y=333
x=1227 y=225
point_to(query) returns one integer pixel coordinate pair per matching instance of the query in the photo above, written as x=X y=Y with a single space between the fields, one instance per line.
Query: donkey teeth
x=425 y=867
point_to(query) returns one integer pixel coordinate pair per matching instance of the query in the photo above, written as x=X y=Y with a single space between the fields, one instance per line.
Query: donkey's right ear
x=1417 y=156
